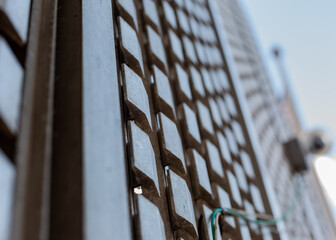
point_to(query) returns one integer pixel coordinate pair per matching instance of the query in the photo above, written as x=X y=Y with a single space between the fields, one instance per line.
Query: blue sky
x=306 y=31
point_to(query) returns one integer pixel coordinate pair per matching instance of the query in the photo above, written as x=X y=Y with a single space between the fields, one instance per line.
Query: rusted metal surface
x=147 y=92
x=131 y=124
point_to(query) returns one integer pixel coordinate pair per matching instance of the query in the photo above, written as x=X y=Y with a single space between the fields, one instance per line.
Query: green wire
x=213 y=220
x=284 y=217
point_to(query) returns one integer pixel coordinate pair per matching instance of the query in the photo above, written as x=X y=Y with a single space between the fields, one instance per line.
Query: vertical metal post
x=34 y=139
x=106 y=205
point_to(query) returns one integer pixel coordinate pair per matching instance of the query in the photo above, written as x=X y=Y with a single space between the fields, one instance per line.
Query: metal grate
x=182 y=118
x=125 y=122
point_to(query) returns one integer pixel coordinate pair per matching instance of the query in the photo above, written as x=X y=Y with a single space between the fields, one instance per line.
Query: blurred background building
x=276 y=121
x=137 y=119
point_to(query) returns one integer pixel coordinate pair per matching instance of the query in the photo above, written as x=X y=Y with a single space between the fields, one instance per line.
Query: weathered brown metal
x=133 y=125
x=33 y=155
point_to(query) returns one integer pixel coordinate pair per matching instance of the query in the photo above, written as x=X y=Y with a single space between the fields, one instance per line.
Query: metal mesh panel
x=178 y=94
x=122 y=120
